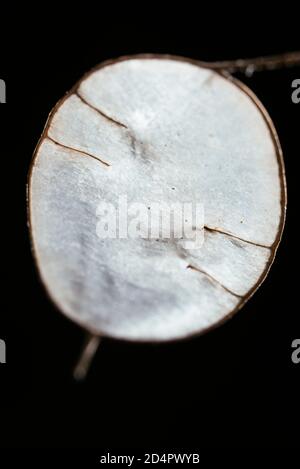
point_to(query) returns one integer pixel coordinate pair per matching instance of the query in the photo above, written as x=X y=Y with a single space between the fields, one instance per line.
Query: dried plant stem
x=272 y=62
x=90 y=348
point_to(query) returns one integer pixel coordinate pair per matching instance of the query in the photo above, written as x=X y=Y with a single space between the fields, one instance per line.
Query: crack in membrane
x=78 y=151
x=216 y=230
x=192 y=267
x=137 y=147
x=103 y=114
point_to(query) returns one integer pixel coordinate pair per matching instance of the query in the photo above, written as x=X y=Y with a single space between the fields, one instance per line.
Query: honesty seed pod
x=163 y=129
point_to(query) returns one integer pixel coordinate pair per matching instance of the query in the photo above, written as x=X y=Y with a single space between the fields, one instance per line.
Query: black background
x=234 y=387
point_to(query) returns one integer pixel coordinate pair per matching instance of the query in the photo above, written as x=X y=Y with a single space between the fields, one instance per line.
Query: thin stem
x=83 y=365
x=272 y=62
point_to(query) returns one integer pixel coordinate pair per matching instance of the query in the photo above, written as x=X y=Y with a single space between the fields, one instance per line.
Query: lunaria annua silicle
x=157 y=129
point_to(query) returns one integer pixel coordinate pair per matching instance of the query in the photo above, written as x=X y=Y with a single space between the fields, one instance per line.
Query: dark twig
x=86 y=357
x=249 y=66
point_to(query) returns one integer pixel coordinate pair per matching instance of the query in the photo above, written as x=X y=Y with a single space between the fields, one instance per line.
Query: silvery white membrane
x=164 y=130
